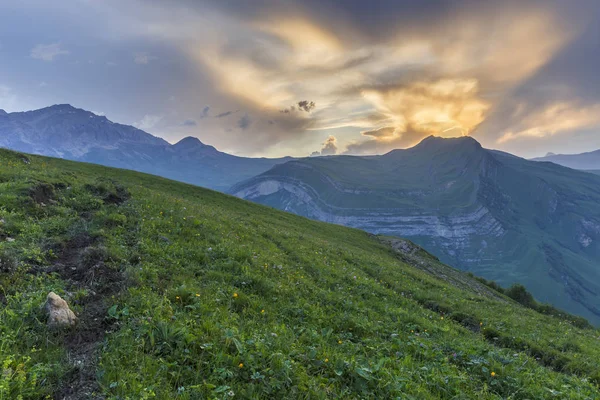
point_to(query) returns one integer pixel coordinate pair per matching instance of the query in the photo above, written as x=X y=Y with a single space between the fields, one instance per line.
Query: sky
x=300 y=77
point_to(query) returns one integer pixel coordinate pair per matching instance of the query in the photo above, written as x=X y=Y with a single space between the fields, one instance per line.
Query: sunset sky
x=272 y=78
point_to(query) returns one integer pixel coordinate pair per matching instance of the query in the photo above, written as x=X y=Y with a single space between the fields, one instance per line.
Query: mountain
x=497 y=215
x=584 y=161
x=67 y=132
x=182 y=292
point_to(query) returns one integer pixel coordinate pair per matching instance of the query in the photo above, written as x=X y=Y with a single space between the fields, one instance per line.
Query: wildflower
x=339 y=342
x=235 y=295
x=442 y=318
x=241 y=365
x=197 y=294
x=327 y=360
x=177 y=297
x=493 y=374
x=481 y=324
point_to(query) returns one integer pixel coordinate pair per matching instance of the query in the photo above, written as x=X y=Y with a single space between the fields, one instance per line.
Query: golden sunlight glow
x=554 y=119
x=432 y=107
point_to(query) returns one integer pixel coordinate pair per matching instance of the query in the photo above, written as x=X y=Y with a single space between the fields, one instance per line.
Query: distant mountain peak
x=441 y=140
x=62 y=107
x=2 y=112
x=550 y=154
x=189 y=141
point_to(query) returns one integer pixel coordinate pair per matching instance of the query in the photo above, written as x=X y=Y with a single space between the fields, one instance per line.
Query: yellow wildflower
x=235 y=295
x=493 y=374
x=241 y=365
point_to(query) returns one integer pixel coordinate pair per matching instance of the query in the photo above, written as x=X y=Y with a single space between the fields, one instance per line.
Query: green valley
x=186 y=293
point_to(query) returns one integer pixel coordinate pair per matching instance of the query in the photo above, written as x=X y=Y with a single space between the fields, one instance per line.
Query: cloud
x=384 y=145
x=205 y=111
x=329 y=148
x=244 y=122
x=143 y=58
x=385 y=132
x=226 y=114
x=47 y=52
x=306 y=105
x=445 y=107
x=554 y=118
x=148 y=122
x=381 y=76
x=189 y=122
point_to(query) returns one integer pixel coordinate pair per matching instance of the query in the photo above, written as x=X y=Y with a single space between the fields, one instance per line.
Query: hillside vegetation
x=185 y=293
x=491 y=213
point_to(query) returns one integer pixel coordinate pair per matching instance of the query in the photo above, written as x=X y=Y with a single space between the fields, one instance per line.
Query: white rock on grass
x=59 y=313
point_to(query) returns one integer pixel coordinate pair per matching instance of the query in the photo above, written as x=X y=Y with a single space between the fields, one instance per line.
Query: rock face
x=497 y=215
x=59 y=313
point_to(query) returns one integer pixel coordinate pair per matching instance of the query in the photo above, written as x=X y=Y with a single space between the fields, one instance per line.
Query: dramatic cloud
x=47 y=52
x=558 y=117
x=516 y=74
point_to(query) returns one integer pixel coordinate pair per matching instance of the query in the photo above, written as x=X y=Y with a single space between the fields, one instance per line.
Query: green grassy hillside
x=185 y=293
x=499 y=216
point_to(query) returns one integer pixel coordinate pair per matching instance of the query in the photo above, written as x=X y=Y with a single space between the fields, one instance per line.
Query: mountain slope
x=67 y=132
x=502 y=217
x=182 y=292
x=583 y=161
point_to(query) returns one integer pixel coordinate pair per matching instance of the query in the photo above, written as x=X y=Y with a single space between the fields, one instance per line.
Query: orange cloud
x=554 y=119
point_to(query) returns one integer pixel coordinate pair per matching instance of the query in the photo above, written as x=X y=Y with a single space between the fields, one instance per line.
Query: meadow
x=186 y=293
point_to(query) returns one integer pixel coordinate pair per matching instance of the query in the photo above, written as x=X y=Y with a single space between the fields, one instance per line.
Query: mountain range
x=585 y=161
x=500 y=216
x=67 y=132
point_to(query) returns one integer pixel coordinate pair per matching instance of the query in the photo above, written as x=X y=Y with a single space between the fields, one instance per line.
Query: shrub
x=519 y=293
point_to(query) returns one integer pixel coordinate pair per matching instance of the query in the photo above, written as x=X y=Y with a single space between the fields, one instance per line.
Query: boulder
x=59 y=313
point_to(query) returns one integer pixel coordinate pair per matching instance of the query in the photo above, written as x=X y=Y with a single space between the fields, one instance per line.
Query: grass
x=499 y=216
x=185 y=293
